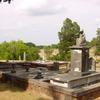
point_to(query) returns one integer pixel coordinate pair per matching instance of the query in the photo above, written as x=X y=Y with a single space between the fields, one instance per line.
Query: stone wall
x=48 y=65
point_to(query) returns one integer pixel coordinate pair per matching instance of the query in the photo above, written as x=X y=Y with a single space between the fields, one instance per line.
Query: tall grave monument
x=80 y=56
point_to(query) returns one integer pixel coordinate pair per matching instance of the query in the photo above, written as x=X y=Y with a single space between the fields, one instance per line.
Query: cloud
x=27 y=4
x=40 y=7
x=46 y=10
x=97 y=20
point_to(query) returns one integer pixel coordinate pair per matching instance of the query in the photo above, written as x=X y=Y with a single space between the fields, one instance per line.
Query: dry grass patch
x=9 y=92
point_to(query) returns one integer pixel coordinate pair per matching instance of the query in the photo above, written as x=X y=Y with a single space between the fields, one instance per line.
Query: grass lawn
x=9 y=92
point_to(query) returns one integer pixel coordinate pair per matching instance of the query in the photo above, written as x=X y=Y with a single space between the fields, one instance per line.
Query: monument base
x=75 y=80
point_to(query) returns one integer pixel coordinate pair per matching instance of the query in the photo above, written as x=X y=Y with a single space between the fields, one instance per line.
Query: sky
x=39 y=21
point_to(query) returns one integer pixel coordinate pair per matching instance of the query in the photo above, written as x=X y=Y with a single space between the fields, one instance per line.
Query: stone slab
x=76 y=81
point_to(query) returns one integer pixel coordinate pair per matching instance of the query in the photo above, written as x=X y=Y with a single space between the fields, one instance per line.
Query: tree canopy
x=96 y=42
x=15 y=49
x=67 y=37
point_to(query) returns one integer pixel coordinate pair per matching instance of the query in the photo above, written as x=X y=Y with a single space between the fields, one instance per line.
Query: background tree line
x=67 y=37
x=14 y=50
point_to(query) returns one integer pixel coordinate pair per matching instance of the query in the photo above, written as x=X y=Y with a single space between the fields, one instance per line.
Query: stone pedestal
x=80 y=59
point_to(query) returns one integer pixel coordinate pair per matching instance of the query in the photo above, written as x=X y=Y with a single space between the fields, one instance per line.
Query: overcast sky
x=39 y=21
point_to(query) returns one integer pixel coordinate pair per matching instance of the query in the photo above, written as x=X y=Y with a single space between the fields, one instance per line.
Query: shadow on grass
x=13 y=83
x=10 y=87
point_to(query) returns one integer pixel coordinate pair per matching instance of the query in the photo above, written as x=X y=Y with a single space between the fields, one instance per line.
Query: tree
x=98 y=31
x=93 y=42
x=12 y=50
x=30 y=44
x=67 y=36
x=98 y=41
